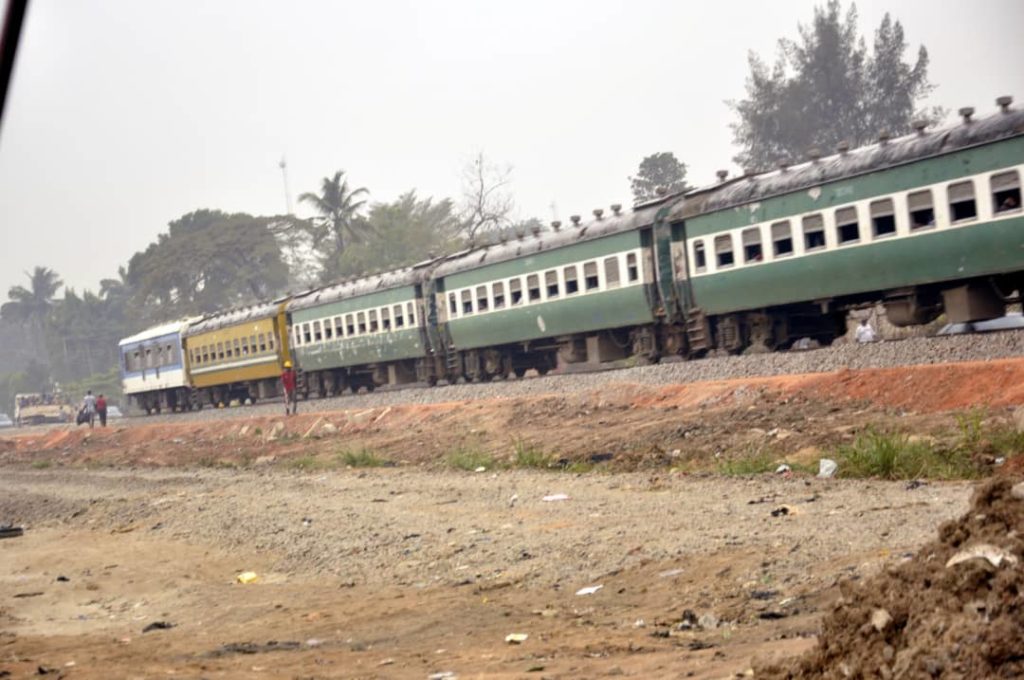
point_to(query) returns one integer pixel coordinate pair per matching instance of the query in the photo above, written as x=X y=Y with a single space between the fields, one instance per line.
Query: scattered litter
x=697 y=645
x=32 y=594
x=555 y=497
x=589 y=590
x=782 y=469
x=772 y=615
x=915 y=484
x=880 y=619
x=985 y=551
x=11 y=531
x=827 y=468
x=763 y=594
x=516 y=638
x=63 y=579
x=670 y=573
x=313 y=642
x=639 y=623
x=601 y=457
x=386 y=662
x=158 y=625
x=708 y=621
x=480 y=469
x=443 y=675
x=512 y=501
x=781 y=512
x=246 y=577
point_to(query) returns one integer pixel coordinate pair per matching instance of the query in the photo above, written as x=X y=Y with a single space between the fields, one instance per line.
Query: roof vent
x=843 y=146
x=722 y=174
x=1004 y=102
x=617 y=208
x=783 y=166
x=575 y=220
x=749 y=174
x=814 y=154
x=920 y=125
x=598 y=213
x=661 y=191
x=556 y=225
x=966 y=113
x=883 y=137
x=535 y=230
x=520 y=234
x=503 y=238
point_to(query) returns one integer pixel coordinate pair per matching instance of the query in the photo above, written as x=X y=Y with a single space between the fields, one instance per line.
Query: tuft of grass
x=884 y=455
x=527 y=455
x=469 y=458
x=362 y=458
x=756 y=463
x=306 y=463
x=41 y=464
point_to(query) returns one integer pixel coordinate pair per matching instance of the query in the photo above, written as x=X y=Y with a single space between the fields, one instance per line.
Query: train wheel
x=520 y=372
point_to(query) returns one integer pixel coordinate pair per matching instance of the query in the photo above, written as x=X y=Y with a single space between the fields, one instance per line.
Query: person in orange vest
x=288 y=383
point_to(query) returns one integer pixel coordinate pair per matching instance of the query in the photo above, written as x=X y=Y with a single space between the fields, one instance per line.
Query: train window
x=847 y=229
x=632 y=268
x=350 y=325
x=481 y=298
x=498 y=290
x=307 y=336
x=399 y=319
x=204 y=356
x=271 y=341
x=237 y=344
x=782 y=239
x=611 y=272
x=1005 y=192
x=752 y=245
x=385 y=318
x=533 y=287
x=572 y=284
x=328 y=329
x=373 y=321
x=723 y=251
x=339 y=328
x=263 y=342
x=883 y=218
x=700 y=258
x=515 y=291
x=551 y=284
x=590 y=277
x=467 y=302
x=814 y=232
x=245 y=347
x=410 y=310
x=922 y=211
x=361 y=323
x=318 y=334
x=252 y=344
x=220 y=351
x=453 y=304
x=961 y=201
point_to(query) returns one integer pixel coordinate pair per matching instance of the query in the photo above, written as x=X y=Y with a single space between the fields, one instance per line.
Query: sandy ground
x=418 y=569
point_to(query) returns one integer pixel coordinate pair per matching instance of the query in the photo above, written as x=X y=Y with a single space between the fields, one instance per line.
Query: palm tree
x=33 y=304
x=338 y=208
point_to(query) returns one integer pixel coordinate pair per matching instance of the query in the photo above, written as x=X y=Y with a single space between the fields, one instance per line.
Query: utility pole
x=287 y=194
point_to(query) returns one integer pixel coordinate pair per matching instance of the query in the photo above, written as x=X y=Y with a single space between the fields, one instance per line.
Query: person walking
x=288 y=384
x=89 y=406
x=101 y=410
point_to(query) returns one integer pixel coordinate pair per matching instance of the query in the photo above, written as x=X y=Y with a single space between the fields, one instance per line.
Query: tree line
x=824 y=87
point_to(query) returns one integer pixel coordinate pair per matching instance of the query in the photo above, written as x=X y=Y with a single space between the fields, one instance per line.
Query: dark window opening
x=533 y=287
x=385 y=319
x=700 y=258
x=498 y=289
x=782 y=239
x=467 y=302
x=339 y=328
x=317 y=334
x=590 y=276
x=752 y=245
x=350 y=326
x=723 y=251
x=551 y=282
x=883 y=218
x=572 y=285
x=399 y=319
x=632 y=268
x=847 y=228
x=922 y=214
x=361 y=323
x=481 y=298
x=814 y=232
x=961 y=201
x=515 y=291
x=1005 y=192
x=453 y=304
x=373 y=322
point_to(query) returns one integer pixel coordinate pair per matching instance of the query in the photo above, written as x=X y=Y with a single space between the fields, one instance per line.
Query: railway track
x=886 y=354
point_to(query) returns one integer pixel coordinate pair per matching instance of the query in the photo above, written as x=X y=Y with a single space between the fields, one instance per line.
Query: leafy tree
x=404 y=232
x=335 y=226
x=658 y=170
x=208 y=260
x=825 y=88
x=486 y=202
x=31 y=307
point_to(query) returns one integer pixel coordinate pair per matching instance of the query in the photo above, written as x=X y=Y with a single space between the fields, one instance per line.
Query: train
x=925 y=224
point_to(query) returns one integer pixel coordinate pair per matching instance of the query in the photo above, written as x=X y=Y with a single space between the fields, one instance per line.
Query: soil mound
x=954 y=610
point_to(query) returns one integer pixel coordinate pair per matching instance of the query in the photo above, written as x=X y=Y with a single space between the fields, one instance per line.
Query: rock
x=708 y=621
x=827 y=468
x=275 y=431
x=1017 y=418
x=328 y=428
x=244 y=430
x=880 y=619
x=1018 y=491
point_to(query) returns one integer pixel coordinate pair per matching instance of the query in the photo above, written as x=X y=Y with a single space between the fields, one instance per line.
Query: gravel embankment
x=909 y=352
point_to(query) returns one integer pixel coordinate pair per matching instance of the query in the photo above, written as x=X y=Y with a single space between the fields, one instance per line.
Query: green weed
x=41 y=464
x=362 y=458
x=527 y=455
x=469 y=458
x=757 y=463
x=884 y=455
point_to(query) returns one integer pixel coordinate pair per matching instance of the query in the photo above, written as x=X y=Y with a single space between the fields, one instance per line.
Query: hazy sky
x=124 y=115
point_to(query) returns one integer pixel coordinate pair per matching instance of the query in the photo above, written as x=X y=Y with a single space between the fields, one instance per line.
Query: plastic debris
x=10 y=531
x=827 y=468
x=443 y=675
x=783 y=469
x=984 y=551
x=555 y=497
x=480 y=469
x=670 y=573
x=158 y=625
x=589 y=590
x=246 y=577
x=516 y=638
x=512 y=500
x=880 y=619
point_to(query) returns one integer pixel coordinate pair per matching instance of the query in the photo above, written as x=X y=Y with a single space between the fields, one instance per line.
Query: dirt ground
x=417 y=570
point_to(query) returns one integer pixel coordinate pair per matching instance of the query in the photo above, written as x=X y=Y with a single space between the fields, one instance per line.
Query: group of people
x=93 y=407
x=39 y=400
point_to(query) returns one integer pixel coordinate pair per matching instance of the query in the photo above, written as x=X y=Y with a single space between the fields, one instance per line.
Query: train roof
x=363 y=285
x=169 y=328
x=884 y=154
x=548 y=239
x=212 y=322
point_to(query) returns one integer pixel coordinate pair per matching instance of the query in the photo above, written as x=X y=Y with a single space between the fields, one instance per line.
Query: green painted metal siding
x=394 y=345
x=578 y=314
x=949 y=167
x=530 y=263
x=361 y=350
x=942 y=255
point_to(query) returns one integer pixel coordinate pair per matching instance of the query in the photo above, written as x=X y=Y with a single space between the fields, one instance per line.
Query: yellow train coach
x=238 y=354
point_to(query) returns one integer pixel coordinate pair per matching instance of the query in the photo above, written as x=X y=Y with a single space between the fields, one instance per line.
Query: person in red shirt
x=101 y=410
x=288 y=383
